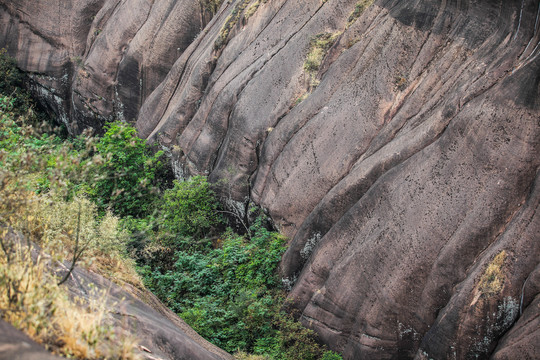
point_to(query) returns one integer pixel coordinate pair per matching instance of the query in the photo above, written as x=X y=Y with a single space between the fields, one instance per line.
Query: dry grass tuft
x=32 y=301
x=492 y=280
x=102 y=239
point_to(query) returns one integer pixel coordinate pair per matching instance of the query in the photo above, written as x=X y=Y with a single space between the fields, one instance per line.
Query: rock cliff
x=395 y=142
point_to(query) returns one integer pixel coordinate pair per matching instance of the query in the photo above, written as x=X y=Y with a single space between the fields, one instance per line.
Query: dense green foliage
x=189 y=208
x=125 y=180
x=230 y=294
x=225 y=285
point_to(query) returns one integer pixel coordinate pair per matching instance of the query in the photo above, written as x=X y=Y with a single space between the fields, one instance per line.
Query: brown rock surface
x=162 y=334
x=140 y=313
x=95 y=60
x=408 y=179
x=15 y=345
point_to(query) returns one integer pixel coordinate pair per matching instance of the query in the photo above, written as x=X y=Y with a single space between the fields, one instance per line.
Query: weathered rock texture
x=408 y=179
x=160 y=332
x=15 y=345
x=97 y=60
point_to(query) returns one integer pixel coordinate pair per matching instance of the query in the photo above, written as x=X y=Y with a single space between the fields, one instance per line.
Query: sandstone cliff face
x=97 y=60
x=404 y=168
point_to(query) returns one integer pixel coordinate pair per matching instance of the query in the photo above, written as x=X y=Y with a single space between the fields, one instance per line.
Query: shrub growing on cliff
x=11 y=84
x=211 y=5
x=318 y=48
x=125 y=182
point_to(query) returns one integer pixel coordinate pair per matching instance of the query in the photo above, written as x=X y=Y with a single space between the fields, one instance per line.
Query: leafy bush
x=230 y=295
x=189 y=208
x=12 y=83
x=125 y=181
x=331 y=355
x=224 y=293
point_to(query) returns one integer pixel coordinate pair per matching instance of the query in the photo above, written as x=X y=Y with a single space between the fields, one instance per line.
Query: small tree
x=125 y=182
x=190 y=208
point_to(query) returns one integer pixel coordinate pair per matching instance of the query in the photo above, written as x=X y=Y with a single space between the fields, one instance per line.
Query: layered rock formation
x=97 y=60
x=404 y=166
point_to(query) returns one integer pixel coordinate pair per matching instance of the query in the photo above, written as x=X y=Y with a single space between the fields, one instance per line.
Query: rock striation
x=402 y=162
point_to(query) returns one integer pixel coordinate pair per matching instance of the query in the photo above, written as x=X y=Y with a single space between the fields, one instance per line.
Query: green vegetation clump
x=190 y=208
x=253 y=8
x=230 y=22
x=125 y=181
x=11 y=84
x=359 y=9
x=211 y=6
x=318 y=48
x=229 y=292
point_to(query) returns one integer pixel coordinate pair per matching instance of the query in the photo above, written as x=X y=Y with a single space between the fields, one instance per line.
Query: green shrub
x=125 y=182
x=230 y=294
x=12 y=84
x=359 y=9
x=189 y=208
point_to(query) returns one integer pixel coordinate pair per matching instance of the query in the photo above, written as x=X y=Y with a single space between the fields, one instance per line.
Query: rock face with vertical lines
x=403 y=165
x=94 y=61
